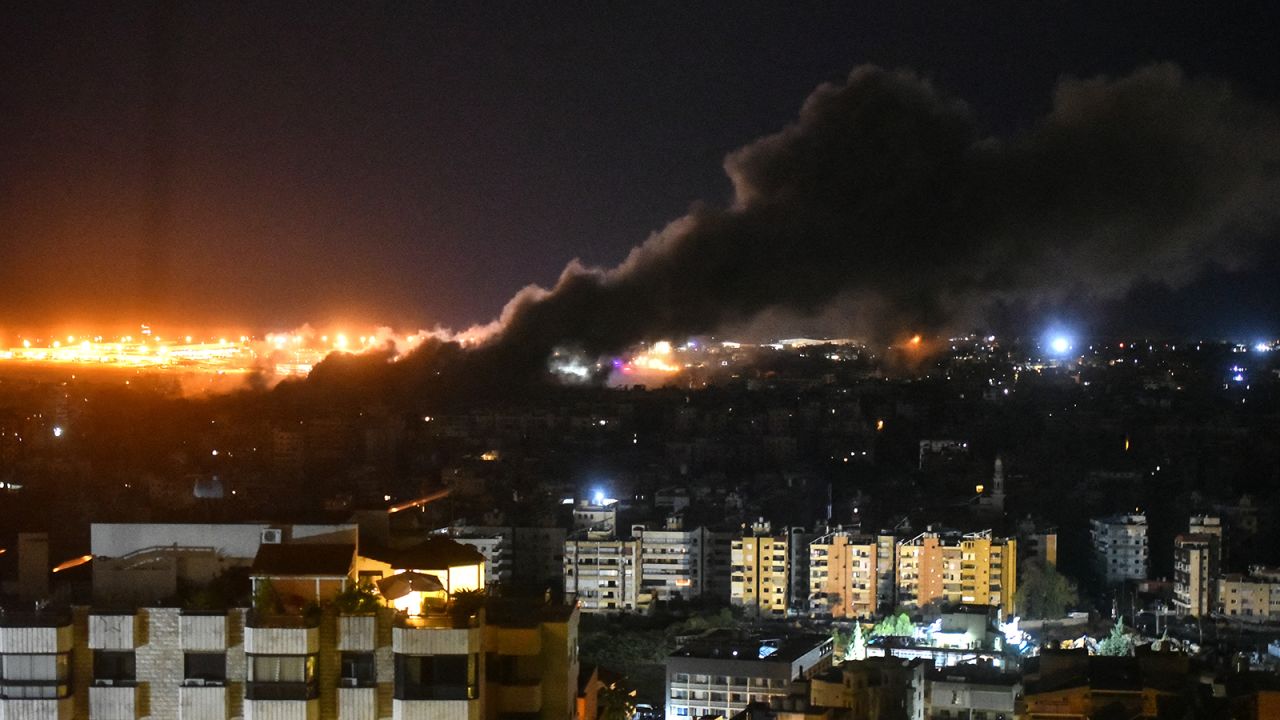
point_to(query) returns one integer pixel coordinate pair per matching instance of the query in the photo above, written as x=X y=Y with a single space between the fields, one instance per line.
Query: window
x=34 y=676
x=358 y=670
x=113 y=667
x=204 y=668
x=281 y=668
x=437 y=677
x=280 y=677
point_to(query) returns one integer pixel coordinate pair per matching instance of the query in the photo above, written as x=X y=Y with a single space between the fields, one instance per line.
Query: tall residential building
x=951 y=568
x=718 y=675
x=602 y=573
x=843 y=575
x=1197 y=562
x=673 y=562
x=798 y=577
x=1120 y=547
x=761 y=576
x=1210 y=525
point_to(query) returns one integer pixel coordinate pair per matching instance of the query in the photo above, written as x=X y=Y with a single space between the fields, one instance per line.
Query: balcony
x=357 y=632
x=281 y=710
x=113 y=631
x=113 y=702
x=435 y=709
x=357 y=703
x=37 y=709
x=202 y=702
x=40 y=632
x=269 y=634
x=442 y=633
x=203 y=632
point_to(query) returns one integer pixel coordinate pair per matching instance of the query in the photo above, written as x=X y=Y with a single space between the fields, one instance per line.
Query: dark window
x=437 y=677
x=113 y=667
x=358 y=670
x=205 y=668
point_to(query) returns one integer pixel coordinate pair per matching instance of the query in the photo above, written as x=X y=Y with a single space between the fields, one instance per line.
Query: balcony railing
x=440 y=621
x=281 y=690
x=283 y=620
x=42 y=618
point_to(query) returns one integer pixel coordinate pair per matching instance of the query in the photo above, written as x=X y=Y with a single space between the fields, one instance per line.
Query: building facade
x=192 y=665
x=720 y=675
x=950 y=568
x=843 y=576
x=1120 y=549
x=1255 y=596
x=761 y=573
x=602 y=573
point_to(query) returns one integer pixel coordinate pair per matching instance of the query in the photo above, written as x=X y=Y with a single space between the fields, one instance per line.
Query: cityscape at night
x=661 y=361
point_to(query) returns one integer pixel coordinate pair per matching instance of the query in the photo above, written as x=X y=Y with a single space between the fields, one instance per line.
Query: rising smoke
x=885 y=192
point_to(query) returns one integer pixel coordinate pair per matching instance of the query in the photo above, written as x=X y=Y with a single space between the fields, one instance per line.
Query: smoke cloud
x=884 y=202
x=884 y=190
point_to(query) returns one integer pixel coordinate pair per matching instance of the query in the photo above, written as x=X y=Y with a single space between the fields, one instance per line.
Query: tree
x=899 y=625
x=1043 y=593
x=857 y=649
x=1118 y=643
x=616 y=702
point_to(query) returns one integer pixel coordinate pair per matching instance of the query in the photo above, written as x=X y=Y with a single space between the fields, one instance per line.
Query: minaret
x=997 y=485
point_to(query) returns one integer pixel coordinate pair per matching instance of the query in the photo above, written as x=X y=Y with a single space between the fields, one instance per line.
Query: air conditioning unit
x=194 y=682
x=272 y=536
x=104 y=682
x=348 y=682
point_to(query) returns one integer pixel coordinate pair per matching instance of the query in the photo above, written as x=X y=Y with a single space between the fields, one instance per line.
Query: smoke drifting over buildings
x=884 y=191
x=886 y=203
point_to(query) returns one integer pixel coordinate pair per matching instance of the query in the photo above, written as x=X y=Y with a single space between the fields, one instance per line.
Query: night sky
x=263 y=165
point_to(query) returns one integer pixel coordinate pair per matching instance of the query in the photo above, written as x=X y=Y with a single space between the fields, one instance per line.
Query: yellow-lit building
x=974 y=568
x=843 y=574
x=760 y=572
x=1255 y=596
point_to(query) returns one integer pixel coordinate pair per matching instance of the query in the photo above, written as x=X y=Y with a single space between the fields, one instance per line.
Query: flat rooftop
x=726 y=645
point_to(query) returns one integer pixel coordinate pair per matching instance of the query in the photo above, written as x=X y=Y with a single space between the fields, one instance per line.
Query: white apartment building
x=602 y=573
x=1120 y=549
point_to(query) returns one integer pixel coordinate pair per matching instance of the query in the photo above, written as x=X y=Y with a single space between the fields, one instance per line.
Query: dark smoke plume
x=885 y=191
x=884 y=197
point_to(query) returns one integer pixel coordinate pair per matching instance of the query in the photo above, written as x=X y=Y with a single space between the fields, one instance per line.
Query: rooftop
x=725 y=645
x=432 y=554
x=304 y=559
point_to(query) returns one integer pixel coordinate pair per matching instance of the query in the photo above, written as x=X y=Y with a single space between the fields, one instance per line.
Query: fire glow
x=283 y=354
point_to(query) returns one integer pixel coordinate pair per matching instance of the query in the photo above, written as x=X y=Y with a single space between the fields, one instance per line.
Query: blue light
x=598 y=497
x=1060 y=344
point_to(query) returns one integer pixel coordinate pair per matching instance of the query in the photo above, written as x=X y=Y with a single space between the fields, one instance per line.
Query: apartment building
x=844 y=572
x=302 y=651
x=1195 y=573
x=718 y=675
x=954 y=568
x=1120 y=549
x=1255 y=596
x=761 y=572
x=602 y=573
x=673 y=562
